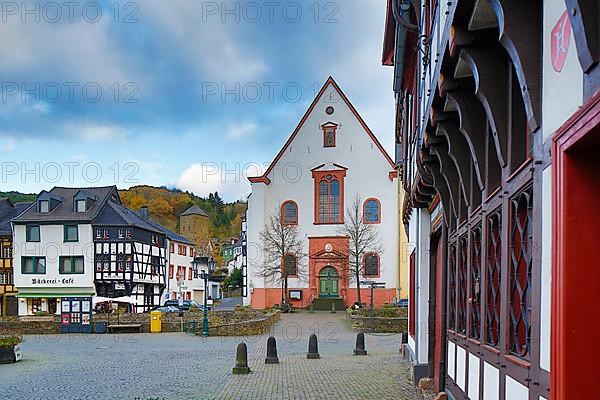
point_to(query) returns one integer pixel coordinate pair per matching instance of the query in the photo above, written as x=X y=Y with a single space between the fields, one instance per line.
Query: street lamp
x=208 y=264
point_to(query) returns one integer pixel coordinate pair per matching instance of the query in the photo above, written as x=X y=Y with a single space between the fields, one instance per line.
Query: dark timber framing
x=133 y=266
x=481 y=151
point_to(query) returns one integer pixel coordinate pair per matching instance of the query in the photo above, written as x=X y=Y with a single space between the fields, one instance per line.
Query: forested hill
x=164 y=205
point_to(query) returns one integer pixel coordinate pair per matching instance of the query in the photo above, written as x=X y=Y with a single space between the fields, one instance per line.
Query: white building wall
x=474 y=372
x=515 y=391
x=491 y=382
x=255 y=224
x=291 y=179
x=52 y=246
x=562 y=92
x=546 y=269
x=175 y=259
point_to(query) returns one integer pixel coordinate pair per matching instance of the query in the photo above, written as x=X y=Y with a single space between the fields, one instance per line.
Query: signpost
x=373 y=285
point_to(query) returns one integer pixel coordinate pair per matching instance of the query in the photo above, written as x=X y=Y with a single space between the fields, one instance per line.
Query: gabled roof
x=170 y=234
x=8 y=211
x=65 y=210
x=330 y=81
x=194 y=210
x=115 y=214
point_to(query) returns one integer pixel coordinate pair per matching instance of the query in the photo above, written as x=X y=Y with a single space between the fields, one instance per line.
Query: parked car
x=167 y=309
x=403 y=303
x=186 y=304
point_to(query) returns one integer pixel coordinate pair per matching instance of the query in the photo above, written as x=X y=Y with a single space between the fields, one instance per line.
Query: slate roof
x=170 y=234
x=194 y=210
x=115 y=214
x=8 y=211
x=65 y=210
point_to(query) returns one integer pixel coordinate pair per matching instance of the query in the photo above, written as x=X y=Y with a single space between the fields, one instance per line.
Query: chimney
x=144 y=212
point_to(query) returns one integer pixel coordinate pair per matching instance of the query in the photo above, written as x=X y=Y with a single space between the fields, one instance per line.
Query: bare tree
x=363 y=240
x=279 y=241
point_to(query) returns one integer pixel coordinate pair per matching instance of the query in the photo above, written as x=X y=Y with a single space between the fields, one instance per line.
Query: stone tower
x=193 y=225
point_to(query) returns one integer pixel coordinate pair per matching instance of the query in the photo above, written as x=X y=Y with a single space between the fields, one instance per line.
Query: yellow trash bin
x=155 y=321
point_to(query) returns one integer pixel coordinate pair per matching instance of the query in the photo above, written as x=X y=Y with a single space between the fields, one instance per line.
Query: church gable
x=331 y=130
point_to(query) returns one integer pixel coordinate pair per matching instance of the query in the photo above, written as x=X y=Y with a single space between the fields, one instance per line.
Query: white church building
x=330 y=159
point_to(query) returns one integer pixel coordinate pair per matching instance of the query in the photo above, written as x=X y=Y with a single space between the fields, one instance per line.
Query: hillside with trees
x=164 y=206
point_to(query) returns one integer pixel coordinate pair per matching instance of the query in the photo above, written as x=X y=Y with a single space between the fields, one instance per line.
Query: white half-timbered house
x=130 y=256
x=82 y=242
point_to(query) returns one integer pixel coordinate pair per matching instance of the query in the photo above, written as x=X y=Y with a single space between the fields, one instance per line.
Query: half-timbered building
x=497 y=134
x=82 y=242
x=8 y=299
x=130 y=256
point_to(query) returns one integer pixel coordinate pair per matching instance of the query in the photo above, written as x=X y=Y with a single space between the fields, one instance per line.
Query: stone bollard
x=313 y=348
x=333 y=308
x=360 y=345
x=271 y=351
x=241 y=360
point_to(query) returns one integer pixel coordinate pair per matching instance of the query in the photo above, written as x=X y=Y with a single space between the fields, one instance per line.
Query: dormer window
x=329 y=130
x=80 y=206
x=44 y=206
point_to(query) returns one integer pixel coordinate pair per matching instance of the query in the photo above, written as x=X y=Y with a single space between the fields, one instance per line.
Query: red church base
x=267 y=297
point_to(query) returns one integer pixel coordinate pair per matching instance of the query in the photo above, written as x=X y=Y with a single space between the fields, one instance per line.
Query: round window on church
x=329 y=110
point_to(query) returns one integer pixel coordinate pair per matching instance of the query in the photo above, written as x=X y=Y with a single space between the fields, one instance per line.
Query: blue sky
x=179 y=93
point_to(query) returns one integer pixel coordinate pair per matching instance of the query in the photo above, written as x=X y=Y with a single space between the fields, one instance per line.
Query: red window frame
x=328 y=128
x=282 y=213
x=378 y=211
x=190 y=271
x=318 y=177
x=171 y=271
x=172 y=248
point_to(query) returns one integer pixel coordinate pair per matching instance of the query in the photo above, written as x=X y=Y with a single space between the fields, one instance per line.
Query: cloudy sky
x=179 y=93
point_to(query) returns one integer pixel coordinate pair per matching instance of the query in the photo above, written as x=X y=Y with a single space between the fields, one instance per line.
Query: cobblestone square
x=178 y=366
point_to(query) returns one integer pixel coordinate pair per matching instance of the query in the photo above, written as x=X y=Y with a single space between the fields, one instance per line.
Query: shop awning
x=52 y=295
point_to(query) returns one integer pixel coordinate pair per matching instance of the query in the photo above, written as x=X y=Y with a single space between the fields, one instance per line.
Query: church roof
x=330 y=81
x=194 y=210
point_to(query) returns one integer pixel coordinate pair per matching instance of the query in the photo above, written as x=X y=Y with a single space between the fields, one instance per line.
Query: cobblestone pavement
x=177 y=366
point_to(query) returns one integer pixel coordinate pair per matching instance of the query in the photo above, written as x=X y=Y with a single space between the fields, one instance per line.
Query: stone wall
x=382 y=324
x=221 y=323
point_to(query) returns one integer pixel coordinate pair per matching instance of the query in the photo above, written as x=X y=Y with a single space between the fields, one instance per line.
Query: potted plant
x=10 y=349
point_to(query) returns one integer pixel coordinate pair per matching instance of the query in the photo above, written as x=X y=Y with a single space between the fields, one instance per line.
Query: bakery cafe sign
x=53 y=282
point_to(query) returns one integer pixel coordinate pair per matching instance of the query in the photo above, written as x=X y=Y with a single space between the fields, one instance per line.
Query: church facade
x=331 y=161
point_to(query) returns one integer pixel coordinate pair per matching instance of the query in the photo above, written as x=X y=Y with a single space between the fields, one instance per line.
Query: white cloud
x=8 y=144
x=206 y=178
x=94 y=131
x=241 y=130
